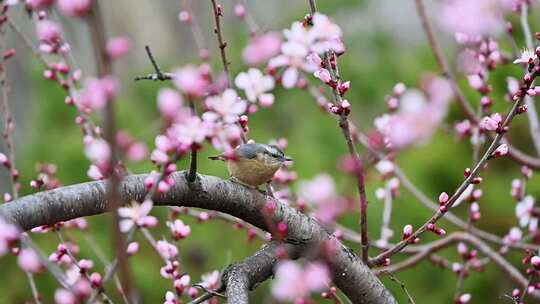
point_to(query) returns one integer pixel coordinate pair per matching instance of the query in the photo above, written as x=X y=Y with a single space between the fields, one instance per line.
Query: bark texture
x=350 y=275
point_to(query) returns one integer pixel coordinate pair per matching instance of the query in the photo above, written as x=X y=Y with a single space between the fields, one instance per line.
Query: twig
x=207 y=295
x=346 y=131
x=158 y=75
x=532 y=114
x=513 y=152
x=403 y=287
x=222 y=43
x=476 y=170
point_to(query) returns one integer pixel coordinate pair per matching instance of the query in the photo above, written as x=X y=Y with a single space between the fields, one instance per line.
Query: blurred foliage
x=316 y=145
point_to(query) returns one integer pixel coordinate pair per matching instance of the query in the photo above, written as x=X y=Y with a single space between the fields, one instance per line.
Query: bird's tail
x=217 y=157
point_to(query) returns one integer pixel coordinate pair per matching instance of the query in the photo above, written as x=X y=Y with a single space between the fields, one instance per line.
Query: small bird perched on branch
x=253 y=164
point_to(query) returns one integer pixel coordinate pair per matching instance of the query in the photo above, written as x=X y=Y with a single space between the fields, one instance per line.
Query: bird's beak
x=286 y=158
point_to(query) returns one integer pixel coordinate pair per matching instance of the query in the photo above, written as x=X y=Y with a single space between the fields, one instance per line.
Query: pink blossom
x=293 y=282
x=417 y=118
x=443 y=198
x=184 y=16
x=178 y=229
x=325 y=35
x=407 y=231
x=94 y=173
x=170 y=298
x=39 y=4
x=191 y=81
x=29 y=260
x=227 y=107
x=64 y=296
x=527 y=57
x=99 y=152
x=385 y=167
x=319 y=190
x=159 y=157
x=323 y=75
x=463 y=128
x=167 y=250
x=525 y=213
x=9 y=234
x=210 y=280
x=475 y=81
x=96 y=93
x=261 y=48
x=118 y=47
x=74 y=8
x=479 y=17
x=514 y=236
x=491 y=123
x=169 y=103
x=132 y=248
x=239 y=10
x=501 y=150
x=48 y=31
x=136 y=215
x=535 y=261
x=255 y=85
x=137 y=152
x=190 y=133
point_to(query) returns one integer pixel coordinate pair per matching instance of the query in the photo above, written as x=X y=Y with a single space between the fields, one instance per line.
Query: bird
x=253 y=164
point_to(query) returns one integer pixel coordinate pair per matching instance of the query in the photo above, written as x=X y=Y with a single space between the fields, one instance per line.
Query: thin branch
x=532 y=114
x=222 y=44
x=468 y=181
x=403 y=287
x=349 y=274
x=513 y=274
x=513 y=152
x=158 y=75
x=344 y=124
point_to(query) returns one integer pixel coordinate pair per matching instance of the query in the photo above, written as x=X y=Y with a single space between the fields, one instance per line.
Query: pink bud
x=399 y=88
x=323 y=75
x=132 y=248
x=95 y=279
x=240 y=10
x=184 y=16
x=443 y=198
x=500 y=151
x=535 y=261
x=407 y=231
x=527 y=172
x=74 y=8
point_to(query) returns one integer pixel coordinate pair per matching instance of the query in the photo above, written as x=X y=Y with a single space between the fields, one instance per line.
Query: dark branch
x=352 y=276
x=239 y=278
x=158 y=75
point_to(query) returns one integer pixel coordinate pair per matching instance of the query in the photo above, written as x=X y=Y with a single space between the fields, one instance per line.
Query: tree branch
x=513 y=152
x=352 y=276
x=239 y=278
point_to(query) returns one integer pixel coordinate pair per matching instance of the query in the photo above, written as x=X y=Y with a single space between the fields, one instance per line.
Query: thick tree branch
x=352 y=276
x=239 y=278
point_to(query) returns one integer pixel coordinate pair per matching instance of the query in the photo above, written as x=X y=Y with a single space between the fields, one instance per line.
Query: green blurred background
x=385 y=45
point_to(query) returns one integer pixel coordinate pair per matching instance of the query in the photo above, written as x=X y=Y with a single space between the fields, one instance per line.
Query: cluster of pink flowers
x=416 y=117
x=96 y=93
x=294 y=282
x=137 y=215
x=301 y=41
